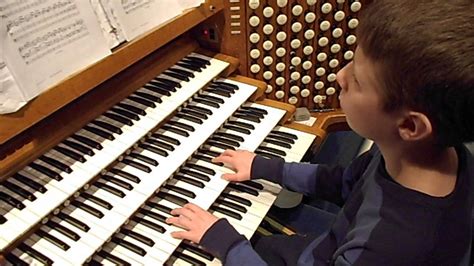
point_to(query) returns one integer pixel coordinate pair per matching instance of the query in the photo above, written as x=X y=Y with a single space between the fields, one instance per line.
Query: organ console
x=90 y=169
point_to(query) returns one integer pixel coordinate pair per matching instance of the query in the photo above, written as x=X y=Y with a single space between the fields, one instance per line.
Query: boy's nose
x=341 y=77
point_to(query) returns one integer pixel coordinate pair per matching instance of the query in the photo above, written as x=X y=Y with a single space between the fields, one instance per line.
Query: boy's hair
x=424 y=51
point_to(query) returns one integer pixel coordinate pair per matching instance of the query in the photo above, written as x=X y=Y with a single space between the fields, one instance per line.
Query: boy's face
x=361 y=100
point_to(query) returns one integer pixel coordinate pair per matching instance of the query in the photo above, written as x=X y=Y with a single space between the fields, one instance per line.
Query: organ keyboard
x=106 y=169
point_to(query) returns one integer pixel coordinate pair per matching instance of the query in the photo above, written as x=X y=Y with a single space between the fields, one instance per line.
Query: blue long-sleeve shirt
x=381 y=222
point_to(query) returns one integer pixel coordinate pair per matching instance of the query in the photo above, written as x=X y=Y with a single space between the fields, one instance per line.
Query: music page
x=44 y=41
x=139 y=16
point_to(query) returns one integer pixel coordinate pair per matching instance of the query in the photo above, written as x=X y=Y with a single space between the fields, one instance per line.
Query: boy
x=408 y=201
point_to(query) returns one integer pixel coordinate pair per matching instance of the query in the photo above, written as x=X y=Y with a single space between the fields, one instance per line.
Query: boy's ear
x=414 y=126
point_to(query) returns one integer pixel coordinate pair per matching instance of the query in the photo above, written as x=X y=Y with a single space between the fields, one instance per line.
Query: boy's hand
x=193 y=219
x=240 y=161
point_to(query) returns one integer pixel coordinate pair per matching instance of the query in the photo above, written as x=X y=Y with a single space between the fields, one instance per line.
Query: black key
x=188 y=258
x=99 y=132
x=195 y=174
x=56 y=163
x=176 y=75
x=63 y=230
x=137 y=165
x=159 y=207
x=199 y=109
x=201 y=168
x=268 y=155
x=117 y=182
x=229 y=136
x=194 y=113
x=189 y=118
x=157 y=89
x=144 y=158
x=285 y=134
x=70 y=153
x=219 y=145
x=196 y=250
x=194 y=63
x=226 y=85
x=232 y=143
x=181 y=71
x=127 y=114
x=107 y=126
x=173 y=198
x=222 y=88
x=110 y=189
x=89 y=209
x=87 y=141
x=165 y=138
x=255 y=109
x=272 y=150
x=253 y=184
x=280 y=138
x=153 y=149
x=148 y=96
x=181 y=191
x=14 y=260
x=78 y=147
x=162 y=85
x=169 y=82
x=189 y=180
x=252 y=118
x=52 y=239
x=104 y=204
x=19 y=190
x=206 y=102
x=175 y=130
x=226 y=212
x=198 y=59
x=48 y=172
x=2 y=219
x=130 y=246
x=250 y=113
x=241 y=124
x=279 y=143
x=231 y=205
x=139 y=237
x=206 y=159
x=189 y=66
x=218 y=91
x=35 y=254
x=125 y=175
x=112 y=258
x=30 y=183
x=245 y=189
x=149 y=224
x=132 y=108
x=73 y=221
x=142 y=101
x=212 y=98
x=238 y=129
x=119 y=119
x=160 y=144
x=153 y=215
x=238 y=199
x=11 y=200
x=208 y=152
x=182 y=125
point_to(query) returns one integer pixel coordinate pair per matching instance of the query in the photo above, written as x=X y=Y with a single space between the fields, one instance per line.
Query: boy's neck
x=422 y=167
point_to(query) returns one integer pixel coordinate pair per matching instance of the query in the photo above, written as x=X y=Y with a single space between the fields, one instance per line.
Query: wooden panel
x=83 y=81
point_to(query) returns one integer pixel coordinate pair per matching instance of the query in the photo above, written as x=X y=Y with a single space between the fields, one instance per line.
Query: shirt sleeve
x=233 y=249
x=332 y=183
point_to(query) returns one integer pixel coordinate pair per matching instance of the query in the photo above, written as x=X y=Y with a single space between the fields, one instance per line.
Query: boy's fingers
x=229 y=153
x=193 y=207
x=223 y=159
x=180 y=234
x=230 y=177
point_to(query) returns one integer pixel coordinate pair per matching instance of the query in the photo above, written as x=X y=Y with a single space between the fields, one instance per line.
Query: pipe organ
x=90 y=169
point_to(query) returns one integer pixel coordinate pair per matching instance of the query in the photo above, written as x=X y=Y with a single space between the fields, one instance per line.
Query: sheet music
x=11 y=98
x=108 y=22
x=44 y=41
x=139 y=16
